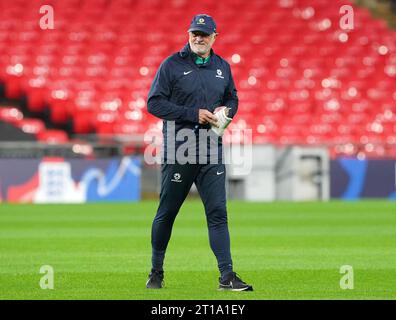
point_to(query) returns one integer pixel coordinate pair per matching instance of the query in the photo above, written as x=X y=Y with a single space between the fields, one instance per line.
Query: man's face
x=201 y=43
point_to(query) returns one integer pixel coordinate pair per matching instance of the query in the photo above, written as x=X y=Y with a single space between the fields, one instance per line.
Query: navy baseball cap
x=203 y=23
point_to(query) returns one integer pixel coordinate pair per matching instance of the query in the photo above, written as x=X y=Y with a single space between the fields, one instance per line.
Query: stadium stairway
x=301 y=78
x=15 y=126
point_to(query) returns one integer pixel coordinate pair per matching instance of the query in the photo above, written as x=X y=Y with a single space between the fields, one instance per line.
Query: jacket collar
x=185 y=51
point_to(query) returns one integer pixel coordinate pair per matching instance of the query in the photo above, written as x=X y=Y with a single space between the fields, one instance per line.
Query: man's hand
x=206 y=116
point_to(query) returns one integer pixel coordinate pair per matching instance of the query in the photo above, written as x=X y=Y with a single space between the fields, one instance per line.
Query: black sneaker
x=233 y=282
x=155 y=280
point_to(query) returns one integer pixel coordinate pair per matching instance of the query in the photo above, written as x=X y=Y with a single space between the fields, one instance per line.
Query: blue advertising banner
x=58 y=180
x=353 y=179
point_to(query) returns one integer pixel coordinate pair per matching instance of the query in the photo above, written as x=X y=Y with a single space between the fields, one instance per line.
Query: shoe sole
x=236 y=290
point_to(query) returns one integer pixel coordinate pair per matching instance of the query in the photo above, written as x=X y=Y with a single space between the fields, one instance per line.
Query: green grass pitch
x=285 y=250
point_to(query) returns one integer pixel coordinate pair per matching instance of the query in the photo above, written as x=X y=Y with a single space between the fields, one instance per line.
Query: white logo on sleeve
x=219 y=74
x=176 y=177
x=219 y=173
x=187 y=72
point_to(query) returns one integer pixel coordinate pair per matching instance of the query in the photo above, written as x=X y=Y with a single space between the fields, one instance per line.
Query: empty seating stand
x=301 y=79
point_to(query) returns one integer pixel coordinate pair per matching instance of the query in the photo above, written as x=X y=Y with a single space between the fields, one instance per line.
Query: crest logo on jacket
x=219 y=74
x=176 y=177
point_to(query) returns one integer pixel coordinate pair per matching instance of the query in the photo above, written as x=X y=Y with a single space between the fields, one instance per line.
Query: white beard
x=199 y=50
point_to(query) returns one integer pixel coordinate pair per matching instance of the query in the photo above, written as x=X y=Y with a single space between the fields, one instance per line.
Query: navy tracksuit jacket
x=180 y=88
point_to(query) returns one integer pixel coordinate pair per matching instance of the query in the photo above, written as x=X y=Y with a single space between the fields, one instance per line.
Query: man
x=189 y=88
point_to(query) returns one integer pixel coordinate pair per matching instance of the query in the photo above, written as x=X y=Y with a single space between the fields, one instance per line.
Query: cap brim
x=202 y=29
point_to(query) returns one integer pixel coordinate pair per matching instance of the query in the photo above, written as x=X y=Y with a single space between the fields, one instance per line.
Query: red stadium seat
x=11 y=115
x=32 y=126
x=52 y=136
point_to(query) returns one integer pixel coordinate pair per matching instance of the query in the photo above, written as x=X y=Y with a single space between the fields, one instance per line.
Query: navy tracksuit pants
x=176 y=182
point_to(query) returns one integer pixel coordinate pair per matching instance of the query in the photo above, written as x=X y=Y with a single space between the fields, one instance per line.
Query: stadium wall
x=353 y=179
x=59 y=180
